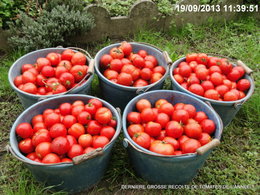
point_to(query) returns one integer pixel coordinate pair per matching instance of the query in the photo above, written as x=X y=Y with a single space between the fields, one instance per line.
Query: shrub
x=53 y=27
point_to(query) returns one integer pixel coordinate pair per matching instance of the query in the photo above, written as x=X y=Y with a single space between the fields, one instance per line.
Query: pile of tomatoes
x=58 y=135
x=169 y=129
x=124 y=67
x=212 y=77
x=53 y=74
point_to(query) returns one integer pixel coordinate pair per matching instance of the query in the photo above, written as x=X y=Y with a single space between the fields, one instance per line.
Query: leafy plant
x=51 y=28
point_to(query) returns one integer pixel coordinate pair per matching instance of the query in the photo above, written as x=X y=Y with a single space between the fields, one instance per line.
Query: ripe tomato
x=174 y=129
x=66 y=160
x=190 y=146
x=155 y=77
x=43 y=135
x=97 y=103
x=110 y=74
x=159 y=69
x=142 y=104
x=205 y=138
x=182 y=139
x=191 y=57
x=193 y=130
x=193 y=80
x=69 y=120
x=64 y=66
x=200 y=116
x=51 y=119
x=78 y=59
x=240 y=70
x=94 y=127
x=76 y=110
x=212 y=94
x=24 y=130
x=88 y=150
x=146 y=73
x=234 y=75
x=177 y=152
x=148 y=64
x=202 y=58
x=148 y=115
x=173 y=142
x=179 y=106
x=134 y=128
x=160 y=102
x=26 y=67
x=153 y=129
x=91 y=109
x=43 y=149
x=53 y=58
x=178 y=78
x=142 y=139
x=230 y=96
x=65 y=109
x=60 y=145
x=243 y=84
x=185 y=70
x=126 y=48
x=67 y=79
x=190 y=109
x=162 y=147
x=105 y=60
x=84 y=117
x=222 y=89
x=76 y=130
x=216 y=78
x=202 y=73
x=166 y=108
x=142 y=53
x=28 y=77
x=37 y=118
x=38 y=126
x=162 y=119
x=85 y=140
x=78 y=72
x=112 y=123
x=212 y=61
x=67 y=54
x=161 y=136
x=26 y=146
x=180 y=116
x=100 y=141
x=151 y=59
x=125 y=79
x=103 y=115
x=72 y=140
x=33 y=156
x=213 y=69
x=134 y=117
x=116 y=53
x=208 y=126
x=116 y=65
x=18 y=80
x=140 y=83
x=51 y=158
x=75 y=150
x=57 y=130
x=41 y=62
x=197 y=89
x=108 y=132
x=224 y=65
x=207 y=85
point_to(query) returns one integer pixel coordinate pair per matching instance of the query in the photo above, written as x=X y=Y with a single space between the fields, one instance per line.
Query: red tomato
x=67 y=79
x=173 y=142
x=94 y=127
x=85 y=140
x=108 y=132
x=60 y=145
x=51 y=158
x=90 y=108
x=160 y=102
x=153 y=129
x=240 y=70
x=134 y=128
x=97 y=103
x=66 y=160
x=43 y=135
x=100 y=141
x=207 y=85
x=193 y=65
x=166 y=108
x=200 y=116
x=26 y=146
x=18 y=80
x=37 y=118
x=58 y=130
x=51 y=119
x=69 y=120
x=84 y=117
x=43 y=149
x=142 y=139
x=38 y=126
x=179 y=78
x=197 y=89
x=125 y=79
x=179 y=106
x=211 y=94
x=159 y=69
x=193 y=130
x=156 y=77
x=126 y=48
x=88 y=150
x=72 y=140
x=190 y=109
x=230 y=96
x=76 y=130
x=161 y=147
x=185 y=71
x=162 y=119
x=193 y=80
x=151 y=59
x=190 y=121
x=32 y=156
x=224 y=65
x=28 y=77
x=125 y=61
x=147 y=115
x=67 y=54
x=205 y=138
x=177 y=152
x=78 y=59
x=75 y=150
x=112 y=123
x=190 y=146
x=146 y=74
x=213 y=69
x=64 y=66
x=174 y=129
x=202 y=58
x=76 y=110
x=24 y=130
x=191 y=57
x=182 y=139
x=116 y=53
x=208 y=126
x=103 y=115
x=111 y=74
x=134 y=117
x=216 y=78
x=202 y=73
x=222 y=89
x=78 y=72
x=212 y=61
x=142 y=104
x=41 y=62
x=148 y=64
x=105 y=60
x=142 y=53
x=234 y=75
x=116 y=65
x=65 y=109
x=243 y=84
x=26 y=67
x=180 y=116
x=161 y=136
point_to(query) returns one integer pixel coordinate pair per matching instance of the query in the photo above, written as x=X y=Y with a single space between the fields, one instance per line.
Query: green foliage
x=51 y=28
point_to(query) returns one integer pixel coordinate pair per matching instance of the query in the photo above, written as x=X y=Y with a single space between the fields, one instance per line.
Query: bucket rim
x=12 y=134
x=240 y=101
x=101 y=76
x=148 y=152
x=40 y=97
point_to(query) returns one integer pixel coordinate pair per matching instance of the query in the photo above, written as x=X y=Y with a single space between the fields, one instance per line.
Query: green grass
x=234 y=162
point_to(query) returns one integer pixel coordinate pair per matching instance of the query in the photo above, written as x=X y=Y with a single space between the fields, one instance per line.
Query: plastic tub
x=119 y=95
x=226 y=109
x=28 y=99
x=159 y=169
x=66 y=176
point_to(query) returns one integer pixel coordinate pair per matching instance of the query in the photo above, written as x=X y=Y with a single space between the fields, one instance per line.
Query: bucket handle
x=79 y=159
x=165 y=53
x=203 y=149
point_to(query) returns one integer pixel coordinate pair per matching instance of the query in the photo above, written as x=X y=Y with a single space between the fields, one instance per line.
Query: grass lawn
x=234 y=162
